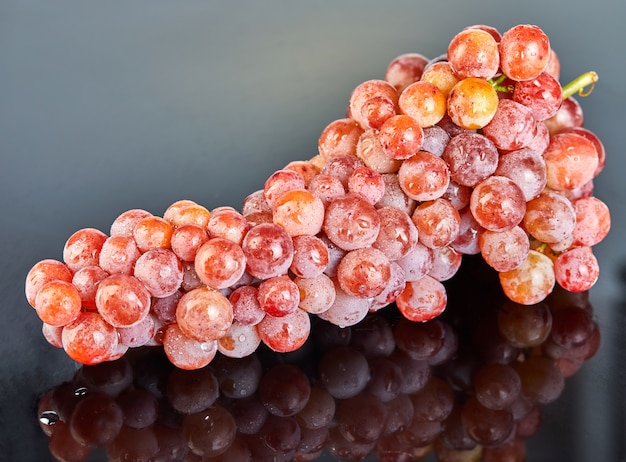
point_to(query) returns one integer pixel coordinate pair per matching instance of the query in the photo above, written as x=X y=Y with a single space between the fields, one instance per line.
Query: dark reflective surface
x=477 y=380
x=110 y=106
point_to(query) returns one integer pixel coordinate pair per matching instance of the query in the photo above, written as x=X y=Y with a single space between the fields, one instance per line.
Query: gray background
x=109 y=105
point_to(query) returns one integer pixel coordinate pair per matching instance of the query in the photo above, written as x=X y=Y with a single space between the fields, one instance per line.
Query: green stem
x=495 y=83
x=578 y=85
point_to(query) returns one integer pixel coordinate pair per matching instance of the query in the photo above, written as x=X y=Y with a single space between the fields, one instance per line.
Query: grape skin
x=530 y=282
x=524 y=52
x=498 y=203
x=571 y=161
x=474 y=53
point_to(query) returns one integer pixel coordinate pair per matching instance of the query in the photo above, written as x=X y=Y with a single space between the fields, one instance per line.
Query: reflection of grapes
x=471 y=381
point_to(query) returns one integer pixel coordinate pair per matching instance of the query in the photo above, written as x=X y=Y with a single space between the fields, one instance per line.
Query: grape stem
x=578 y=85
x=495 y=83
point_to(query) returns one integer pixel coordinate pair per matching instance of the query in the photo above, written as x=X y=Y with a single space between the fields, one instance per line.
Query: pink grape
x=351 y=222
x=326 y=187
x=395 y=286
x=119 y=254
x=471 y=158
x=299 y=212
x=458 y=195
x=569 y=115
x=472 y=103
x=138 y=334
x=540 y=141
x=186 y=240
x=504 y=250
x=339 y=137
x=398 y=234
x=438 y=223
x=165 y=308
x=58 y=303
x=527 y=168
x=498 y=203
x=405 y=69
x=422 y=300
x=310 y=257
x=246 y=306
x=153 y=233
x=268 y=249
x=160 y=271
x=394 y=195
x=346 y=310
x=593 y=221
x=446 y=263
x=83 y=248
x=571 y=161
x=317 y=293
x=364 y=92
x=239 y=341
x=183 y=213
x=424 y=176
x=185 y=352
x=542 y=95
x=286 y=333
x=364 y=273
x=550 y=217
x=89 y=339
x=530 y=282
x=52 y=334
x=204 y=314
x=424 y=102
x=524 y=52
x=122 y=300
x=586 y=133
x=220 y=262
x=86 y=281
x=435 y=140
x=474 y=53
x=577 y=269
x=367 y=183
x=376 y=110
x=278 y=296
x=255 y=203
x=417 y=263
x=442 y=75
x=512 y=126
x=467 y=241
x=229 y=224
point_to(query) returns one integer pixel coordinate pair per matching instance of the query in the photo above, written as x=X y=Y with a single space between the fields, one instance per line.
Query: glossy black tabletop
x=108 y=106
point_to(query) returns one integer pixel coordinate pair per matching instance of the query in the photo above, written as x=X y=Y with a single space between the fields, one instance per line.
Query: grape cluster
x=468 y=385
x=478 y=151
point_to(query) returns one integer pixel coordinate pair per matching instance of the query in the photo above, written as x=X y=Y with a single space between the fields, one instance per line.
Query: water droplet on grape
x=49 y=417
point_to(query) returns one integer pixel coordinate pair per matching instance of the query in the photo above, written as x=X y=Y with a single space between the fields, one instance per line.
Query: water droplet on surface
x=49 y=417
x=81 y=391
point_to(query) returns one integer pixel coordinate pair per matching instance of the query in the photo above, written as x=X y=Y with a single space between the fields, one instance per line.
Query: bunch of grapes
x=469 y=385
x=478 y=151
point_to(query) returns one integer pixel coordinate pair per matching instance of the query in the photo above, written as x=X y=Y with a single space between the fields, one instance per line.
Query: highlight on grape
x=480 y=151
